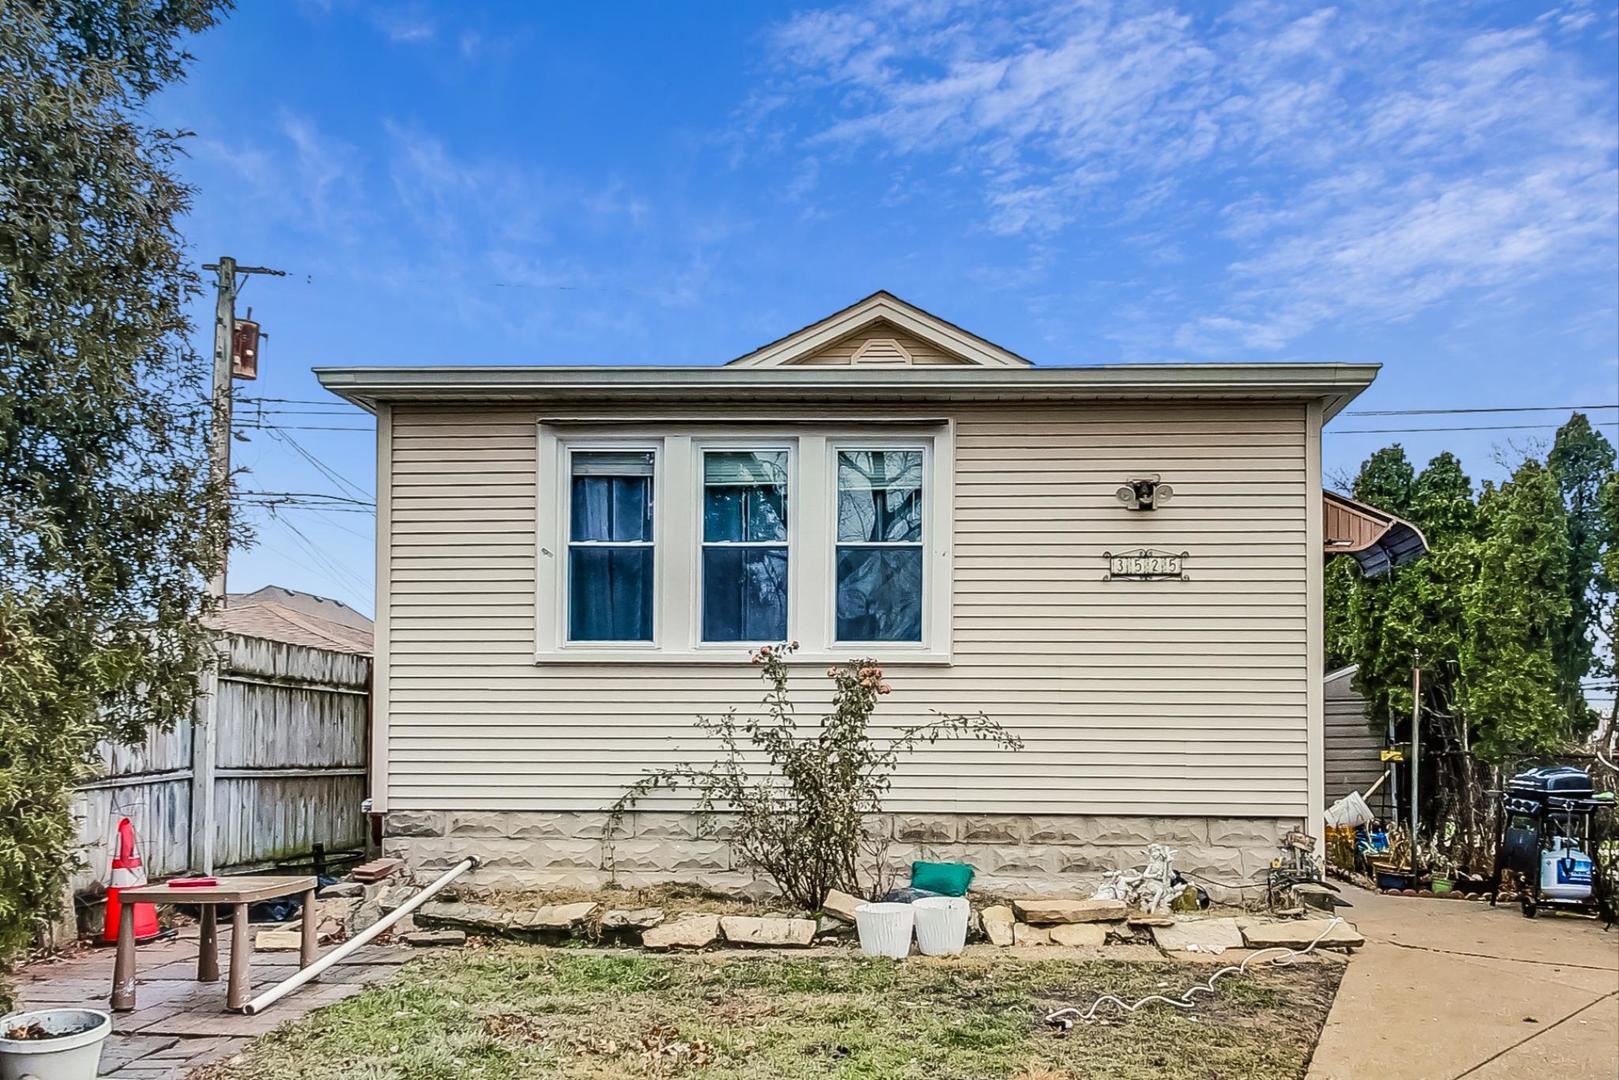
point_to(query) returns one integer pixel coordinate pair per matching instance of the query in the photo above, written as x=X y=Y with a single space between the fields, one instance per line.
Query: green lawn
x=519 y=1012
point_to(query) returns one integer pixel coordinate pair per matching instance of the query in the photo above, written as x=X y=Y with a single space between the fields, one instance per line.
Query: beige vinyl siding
x=1163 y=697
x=923 y=353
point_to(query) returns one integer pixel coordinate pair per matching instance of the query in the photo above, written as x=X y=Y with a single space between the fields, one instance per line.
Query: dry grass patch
x=517 y=1012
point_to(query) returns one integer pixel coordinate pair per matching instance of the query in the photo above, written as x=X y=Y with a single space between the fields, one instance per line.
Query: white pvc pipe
x=282 y=989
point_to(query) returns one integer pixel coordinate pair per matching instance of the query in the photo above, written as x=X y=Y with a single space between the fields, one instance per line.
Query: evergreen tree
x=1583 y=461
x=1516 y=608
x=106 y=530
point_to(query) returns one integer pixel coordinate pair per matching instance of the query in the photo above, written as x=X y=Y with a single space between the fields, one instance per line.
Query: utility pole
x=204 y=739
x=1416 y=743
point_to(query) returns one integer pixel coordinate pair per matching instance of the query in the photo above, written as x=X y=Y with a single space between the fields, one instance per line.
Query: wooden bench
x=238 y=892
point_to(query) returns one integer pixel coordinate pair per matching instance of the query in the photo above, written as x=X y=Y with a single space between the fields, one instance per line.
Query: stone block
x=278 y=940
x=925 y=828
x=1046 y=912
x=1079 y=935
x=476 y=918
x=1088 y=860
x=1218 y=864
x=670 y=857
x=998 y=923
x=1207 y=934
x=364 y=916
x=1024 y=934
x=1057 y=829
x=777 y=933
x=639 y=919
x=343 y=890
x=431 y=939
x=1299 y=933
x=552 y=825
x=992 y=829
x=554 y=918
x=562 y=855
x=1137 y=832
x=1263 y=833
x=655 y=825
x=394 y=897
x=413 y=823
x=491 y=824
x=687 y=932
x=840 y=905
x=1009 y=860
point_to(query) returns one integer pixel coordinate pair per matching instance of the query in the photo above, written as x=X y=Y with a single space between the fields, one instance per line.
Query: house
x=1120 y=563
x=1354 y=746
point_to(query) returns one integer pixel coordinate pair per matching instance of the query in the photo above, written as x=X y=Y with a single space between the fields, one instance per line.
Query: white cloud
x=1363 y=162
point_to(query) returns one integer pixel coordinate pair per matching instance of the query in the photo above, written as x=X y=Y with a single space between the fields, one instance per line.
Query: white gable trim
x=881 y=307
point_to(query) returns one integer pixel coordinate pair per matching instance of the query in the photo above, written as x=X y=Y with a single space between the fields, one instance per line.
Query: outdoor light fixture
x=1144 y=493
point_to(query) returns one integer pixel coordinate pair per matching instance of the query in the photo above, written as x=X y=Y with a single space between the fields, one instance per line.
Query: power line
x=1478 y=427
x=1486 y=409
x=325 y=470
x=305 y=495
x=337 y=572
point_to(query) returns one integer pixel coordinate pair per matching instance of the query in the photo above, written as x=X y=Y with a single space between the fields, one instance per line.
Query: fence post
x=204 y=755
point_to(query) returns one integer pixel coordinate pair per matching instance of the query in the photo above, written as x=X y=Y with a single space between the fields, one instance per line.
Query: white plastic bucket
x=885 y=929
x=75 y=1055
x=941 y=924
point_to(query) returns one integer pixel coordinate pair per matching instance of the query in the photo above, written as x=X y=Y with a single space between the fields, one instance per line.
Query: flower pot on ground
x=53 y=1044
x=885 y=929
x=941 y=924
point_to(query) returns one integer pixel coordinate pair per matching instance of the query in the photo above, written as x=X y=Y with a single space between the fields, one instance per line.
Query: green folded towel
x=942 y=878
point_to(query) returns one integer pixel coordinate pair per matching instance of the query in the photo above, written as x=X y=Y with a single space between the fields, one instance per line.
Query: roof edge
x=1334 y=384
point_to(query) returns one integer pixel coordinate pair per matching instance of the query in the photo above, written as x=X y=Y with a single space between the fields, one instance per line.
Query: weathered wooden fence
x=288 y=769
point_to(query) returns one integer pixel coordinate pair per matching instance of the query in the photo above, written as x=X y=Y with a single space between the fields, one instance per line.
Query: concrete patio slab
x=1447 y=988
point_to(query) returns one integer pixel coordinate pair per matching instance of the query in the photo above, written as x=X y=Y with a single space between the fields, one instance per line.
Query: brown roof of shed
x=277 y=622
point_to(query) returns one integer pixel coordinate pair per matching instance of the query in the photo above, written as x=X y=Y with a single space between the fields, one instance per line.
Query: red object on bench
x=193 y=882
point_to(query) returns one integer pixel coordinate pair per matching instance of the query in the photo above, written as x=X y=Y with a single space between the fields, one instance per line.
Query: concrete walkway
x=1451 y=989
x=178 y=1023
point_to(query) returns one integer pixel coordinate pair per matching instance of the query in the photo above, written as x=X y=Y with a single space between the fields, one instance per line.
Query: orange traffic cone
x=127 y=873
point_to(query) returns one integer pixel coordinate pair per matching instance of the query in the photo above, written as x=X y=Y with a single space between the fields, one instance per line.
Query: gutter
x=1334 y=384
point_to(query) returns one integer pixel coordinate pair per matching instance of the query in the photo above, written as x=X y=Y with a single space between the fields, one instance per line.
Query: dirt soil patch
x=519 y=1011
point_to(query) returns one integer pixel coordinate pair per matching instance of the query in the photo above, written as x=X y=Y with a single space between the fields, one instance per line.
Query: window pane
x=745 y=496
x=609 y=594
x=879 y=594
x=879 y=496
x=744 y=594
x=612 y=496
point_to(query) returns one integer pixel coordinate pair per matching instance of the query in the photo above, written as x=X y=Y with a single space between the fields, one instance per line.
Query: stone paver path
x=179 y=1023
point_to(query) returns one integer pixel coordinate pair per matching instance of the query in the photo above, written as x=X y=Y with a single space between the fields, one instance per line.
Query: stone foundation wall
x=1055 y=853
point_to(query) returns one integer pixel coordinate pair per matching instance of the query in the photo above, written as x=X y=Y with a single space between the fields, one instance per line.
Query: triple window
x=680 y=544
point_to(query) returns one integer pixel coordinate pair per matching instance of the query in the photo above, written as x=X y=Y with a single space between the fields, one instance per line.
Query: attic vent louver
x=881 y=352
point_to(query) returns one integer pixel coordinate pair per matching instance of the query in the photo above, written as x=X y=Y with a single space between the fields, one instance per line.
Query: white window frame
x=677 y=446
x=552 y=633
x=835 y=447
x=710 y=444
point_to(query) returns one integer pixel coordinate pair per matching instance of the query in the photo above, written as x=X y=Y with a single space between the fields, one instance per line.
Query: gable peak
x=881 y=331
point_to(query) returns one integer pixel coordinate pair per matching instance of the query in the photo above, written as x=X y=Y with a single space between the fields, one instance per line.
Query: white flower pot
x=941 y=924
x=74 y=1053
x=885 y=929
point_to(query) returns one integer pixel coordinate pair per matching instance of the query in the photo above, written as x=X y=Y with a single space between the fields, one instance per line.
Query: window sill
x=721 y=657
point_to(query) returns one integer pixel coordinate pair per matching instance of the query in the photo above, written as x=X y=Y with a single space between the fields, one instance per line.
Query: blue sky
x=1429 y=186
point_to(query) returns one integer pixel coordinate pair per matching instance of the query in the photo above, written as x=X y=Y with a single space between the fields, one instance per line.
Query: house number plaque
x=1145 y=564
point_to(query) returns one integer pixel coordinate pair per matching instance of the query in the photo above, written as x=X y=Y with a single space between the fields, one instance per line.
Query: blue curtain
x=610 y=586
